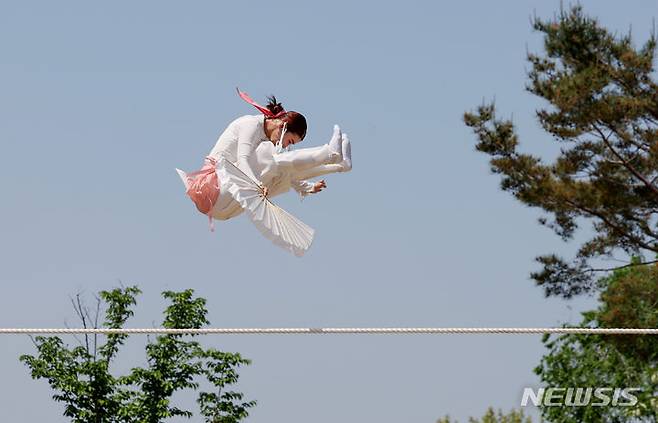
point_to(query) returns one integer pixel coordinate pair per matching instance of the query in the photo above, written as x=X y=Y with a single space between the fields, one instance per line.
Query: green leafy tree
x=83 y=382
x=629 y=361
x=491 y=416
x=602 y=109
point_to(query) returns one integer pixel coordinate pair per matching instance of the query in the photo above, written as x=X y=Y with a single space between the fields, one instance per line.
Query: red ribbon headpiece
x=263 y=110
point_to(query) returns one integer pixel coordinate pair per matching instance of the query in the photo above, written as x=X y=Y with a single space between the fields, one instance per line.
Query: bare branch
x=66 y=325
x=81 y=313
x=96 y=316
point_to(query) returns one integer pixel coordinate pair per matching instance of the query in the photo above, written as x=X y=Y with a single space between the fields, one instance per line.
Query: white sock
x=335 y=144
x=347 y=154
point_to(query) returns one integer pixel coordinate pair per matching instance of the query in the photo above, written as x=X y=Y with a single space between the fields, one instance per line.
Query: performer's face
x=290 y=139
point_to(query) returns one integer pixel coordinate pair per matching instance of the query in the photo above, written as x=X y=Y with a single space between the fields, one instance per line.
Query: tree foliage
x=602 y=109
x=628 y=361
x=82 y=379
x=491 y=416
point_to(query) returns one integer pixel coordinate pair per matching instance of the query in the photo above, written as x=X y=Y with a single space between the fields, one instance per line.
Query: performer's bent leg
x=344 y=166
x=307 y=158
x=319 y=171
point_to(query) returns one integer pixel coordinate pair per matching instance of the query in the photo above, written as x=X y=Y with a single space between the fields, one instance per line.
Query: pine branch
x=626 y=163
x=621 y=267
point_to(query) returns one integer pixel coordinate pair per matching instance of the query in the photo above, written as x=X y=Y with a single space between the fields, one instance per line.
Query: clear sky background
x=99 y=101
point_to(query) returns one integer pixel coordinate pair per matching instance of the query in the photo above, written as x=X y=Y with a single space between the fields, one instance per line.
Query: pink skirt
x=203 y=187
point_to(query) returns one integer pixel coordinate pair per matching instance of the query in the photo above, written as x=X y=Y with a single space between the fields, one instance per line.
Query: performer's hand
x=264 y=191
x=318 y=186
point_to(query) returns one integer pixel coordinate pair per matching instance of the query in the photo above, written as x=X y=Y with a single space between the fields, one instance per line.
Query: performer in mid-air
x=249 y=164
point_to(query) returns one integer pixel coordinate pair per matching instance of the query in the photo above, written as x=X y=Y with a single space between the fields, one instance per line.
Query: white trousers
x=305 y=158
x=298 y=165
x=302 y=164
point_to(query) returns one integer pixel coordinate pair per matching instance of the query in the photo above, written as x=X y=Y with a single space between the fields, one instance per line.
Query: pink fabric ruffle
x=203 y=187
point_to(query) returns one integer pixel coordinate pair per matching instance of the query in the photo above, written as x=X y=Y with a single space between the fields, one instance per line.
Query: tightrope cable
x=316 y=331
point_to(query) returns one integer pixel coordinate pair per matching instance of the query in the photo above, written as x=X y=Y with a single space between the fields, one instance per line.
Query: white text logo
x=580 y=397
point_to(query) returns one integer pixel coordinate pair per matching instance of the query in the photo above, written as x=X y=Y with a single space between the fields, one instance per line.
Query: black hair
x=273 y=105
x=296 y=122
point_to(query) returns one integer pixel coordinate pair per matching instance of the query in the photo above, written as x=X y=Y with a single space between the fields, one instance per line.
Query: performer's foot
x=335 y=146
x=346 y=164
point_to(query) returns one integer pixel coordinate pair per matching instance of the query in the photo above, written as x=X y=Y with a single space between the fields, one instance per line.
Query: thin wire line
x=315 y=331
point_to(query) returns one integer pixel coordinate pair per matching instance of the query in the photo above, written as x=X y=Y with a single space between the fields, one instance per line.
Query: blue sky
x=100 y=101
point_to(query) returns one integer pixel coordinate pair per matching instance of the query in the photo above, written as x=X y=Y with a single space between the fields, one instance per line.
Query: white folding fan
x=282 y=228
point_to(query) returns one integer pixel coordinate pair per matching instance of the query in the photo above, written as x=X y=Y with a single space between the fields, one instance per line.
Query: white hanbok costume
x=244 y=160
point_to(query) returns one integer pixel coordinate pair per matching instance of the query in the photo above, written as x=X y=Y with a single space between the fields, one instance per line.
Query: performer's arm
x=248 y=140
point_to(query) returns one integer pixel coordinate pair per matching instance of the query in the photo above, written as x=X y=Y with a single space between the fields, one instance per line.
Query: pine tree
x=603 y=111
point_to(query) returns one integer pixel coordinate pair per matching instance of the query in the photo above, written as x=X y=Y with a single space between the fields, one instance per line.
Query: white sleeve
x=303 y=187
x=248 y=140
